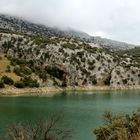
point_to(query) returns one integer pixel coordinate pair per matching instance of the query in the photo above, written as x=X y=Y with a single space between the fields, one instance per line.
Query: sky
x=114 y=19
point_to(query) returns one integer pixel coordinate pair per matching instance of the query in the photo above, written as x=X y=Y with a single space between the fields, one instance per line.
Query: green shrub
x=80 y=54
x=93 y=79
x=89 y=49
x=133 y=72
x=7 y=80
x=83 y=60
x=17 y=71
x=19 y=84
x=43 y=75
x=15 y=61
x=99 y=68
x=64 y=83
x=107 y=80
x=70 y=46
x=109 y=61
x=91 y=62
x=85 y=71
x=98 y=57
x=61 y=50
x=29 y=82
x=8 y=69
x=91 y=67
x=55 y=72
x=119 y=127
x=38 y=39
x=20 y=39
x=118 y=72
x=7 y=46
x=22 y=71
x=124 y=81
x=74 y=59
x=84 y=82
x=118 y=83
x=1 y=84
x=115 y=60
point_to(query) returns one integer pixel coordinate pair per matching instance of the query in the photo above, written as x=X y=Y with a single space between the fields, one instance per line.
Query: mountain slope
x=17 y=24
x=112 y=44
x=62 y=61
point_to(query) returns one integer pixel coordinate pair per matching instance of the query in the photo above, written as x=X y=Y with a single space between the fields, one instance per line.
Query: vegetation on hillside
x=66 y=61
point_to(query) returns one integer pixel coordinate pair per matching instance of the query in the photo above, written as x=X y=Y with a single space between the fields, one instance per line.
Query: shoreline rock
x=50 y=91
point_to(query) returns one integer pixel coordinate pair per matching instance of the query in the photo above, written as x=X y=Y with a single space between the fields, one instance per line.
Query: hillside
x=21 y=25
x=48 y=61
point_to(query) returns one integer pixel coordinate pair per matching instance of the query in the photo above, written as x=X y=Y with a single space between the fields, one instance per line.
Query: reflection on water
x=82 y=111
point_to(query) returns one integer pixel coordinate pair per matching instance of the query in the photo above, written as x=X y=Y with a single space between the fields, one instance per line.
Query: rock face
x=20 y=25
x=112 y=44
x=65 y=61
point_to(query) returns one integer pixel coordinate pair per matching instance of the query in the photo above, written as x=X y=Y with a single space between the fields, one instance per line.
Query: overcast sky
x=115 y=19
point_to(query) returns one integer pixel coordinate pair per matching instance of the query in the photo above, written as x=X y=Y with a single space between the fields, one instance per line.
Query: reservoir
x=82 y=111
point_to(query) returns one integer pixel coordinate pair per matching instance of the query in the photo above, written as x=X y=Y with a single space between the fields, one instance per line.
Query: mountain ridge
x=21 y=25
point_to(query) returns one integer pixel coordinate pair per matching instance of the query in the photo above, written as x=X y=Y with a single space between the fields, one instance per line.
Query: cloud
x=115 y=19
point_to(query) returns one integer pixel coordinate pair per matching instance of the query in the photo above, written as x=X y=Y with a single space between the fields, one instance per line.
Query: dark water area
x=83 y=112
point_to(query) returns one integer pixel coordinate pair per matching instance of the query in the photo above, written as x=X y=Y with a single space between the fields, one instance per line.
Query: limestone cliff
x=66 y=61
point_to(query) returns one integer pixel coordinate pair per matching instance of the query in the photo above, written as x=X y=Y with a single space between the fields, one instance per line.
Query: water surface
x=82 y=112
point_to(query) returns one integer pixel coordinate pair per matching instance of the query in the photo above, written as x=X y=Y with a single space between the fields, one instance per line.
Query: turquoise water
x=82 y=112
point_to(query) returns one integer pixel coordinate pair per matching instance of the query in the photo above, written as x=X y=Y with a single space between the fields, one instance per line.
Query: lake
x=82 y=112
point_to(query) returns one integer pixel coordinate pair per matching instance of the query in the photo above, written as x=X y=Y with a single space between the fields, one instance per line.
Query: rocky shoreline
x=50 y=91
